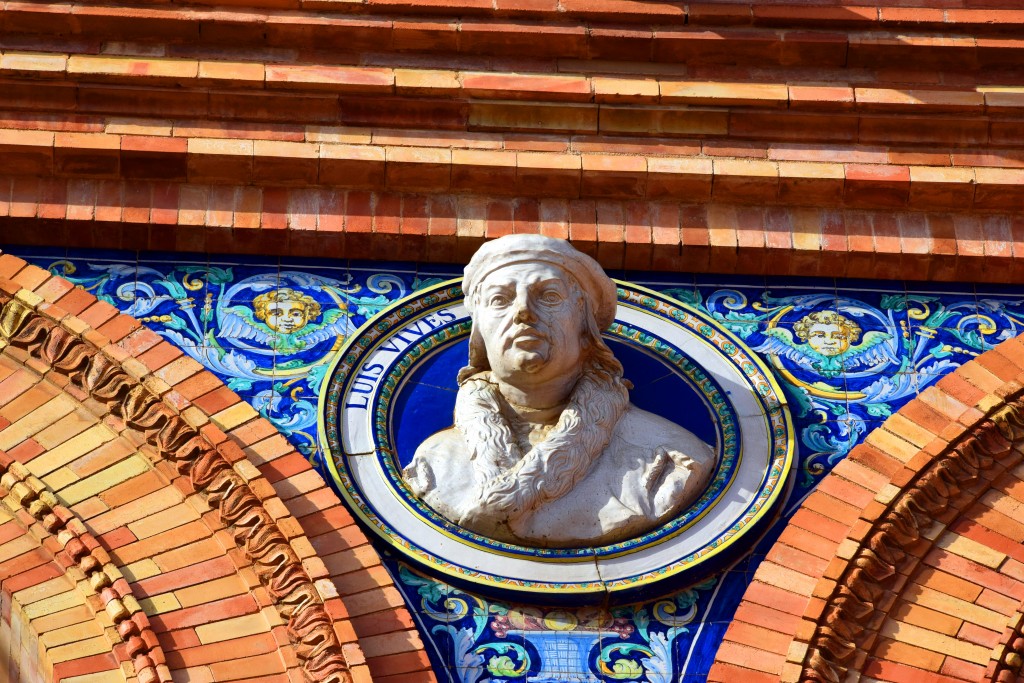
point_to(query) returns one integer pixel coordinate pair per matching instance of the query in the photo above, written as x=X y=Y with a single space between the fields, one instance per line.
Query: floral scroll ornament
x=847 y=364
x=493 y=642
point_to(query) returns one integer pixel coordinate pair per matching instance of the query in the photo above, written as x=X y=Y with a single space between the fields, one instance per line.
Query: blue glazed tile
x=246 y=260
x=1008 y=291
x=877 y=286
x=703 y=656
x=714 y=280
x=724 y=301
x=801 y=284
x=37 y=255
x=311 y=265
x=173 y=258
x=445 y=271
x=685 y=293
x=371 y=291
x=234 y=297
x=112 y=281
x=382 y=266
x=97 y=255
x=958 y=289
x=659 y=281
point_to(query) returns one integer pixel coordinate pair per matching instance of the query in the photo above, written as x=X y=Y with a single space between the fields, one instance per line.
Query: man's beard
x=512 y=484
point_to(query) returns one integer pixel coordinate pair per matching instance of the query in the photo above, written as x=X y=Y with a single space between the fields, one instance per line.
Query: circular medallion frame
x=369 y=385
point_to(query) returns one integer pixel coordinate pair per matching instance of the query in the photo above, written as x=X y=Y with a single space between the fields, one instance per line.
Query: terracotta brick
x=286 y=163
x=235 y=649
x=750 y=658
x=399 y=663
x=526 y=86
x=557 y=175
x=745 y=180
x=483 y=171
x=352 y=166
x=724 y=94
x=418 y=170
x=908 y=663
x=721 y=671
x=941 y=187
x=574 y=118
x=613 y=176
x=334 y=78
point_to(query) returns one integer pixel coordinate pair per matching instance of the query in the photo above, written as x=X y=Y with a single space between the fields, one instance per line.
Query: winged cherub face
x=828 y=339
x=285 y=310
x=287 y=316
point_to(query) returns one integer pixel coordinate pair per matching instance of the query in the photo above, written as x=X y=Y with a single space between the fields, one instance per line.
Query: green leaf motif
x=894 y=302
x=501 y=666
x=239 y=384
x=176 y=322
x=626 y=669
x=687 y=296
x=879 y=409
x=219 y=276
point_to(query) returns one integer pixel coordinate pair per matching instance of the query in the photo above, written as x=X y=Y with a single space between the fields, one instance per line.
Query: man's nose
x=523 y=311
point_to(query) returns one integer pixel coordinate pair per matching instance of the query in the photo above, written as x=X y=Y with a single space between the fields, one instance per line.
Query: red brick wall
x=757 y=138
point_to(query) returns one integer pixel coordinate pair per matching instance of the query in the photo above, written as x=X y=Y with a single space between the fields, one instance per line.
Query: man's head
x=827 y=332
x=538 y=308
x=285 y=310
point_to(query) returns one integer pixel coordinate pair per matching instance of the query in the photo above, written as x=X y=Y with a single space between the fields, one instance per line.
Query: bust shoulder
x=647 y=432
x=441 y=473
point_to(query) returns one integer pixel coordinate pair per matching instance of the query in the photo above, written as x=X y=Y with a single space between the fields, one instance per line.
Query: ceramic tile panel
x=847 y=354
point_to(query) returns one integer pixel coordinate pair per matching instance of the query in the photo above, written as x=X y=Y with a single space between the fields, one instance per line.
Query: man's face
x=531 y=320
x=828 y=339
x=286 y=316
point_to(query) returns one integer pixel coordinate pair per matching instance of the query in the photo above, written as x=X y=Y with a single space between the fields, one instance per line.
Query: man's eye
x=498 y=301
x=551 y=298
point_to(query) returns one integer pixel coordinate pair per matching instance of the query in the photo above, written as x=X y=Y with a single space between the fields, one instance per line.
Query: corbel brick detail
x=904 y=563
x=622 y=233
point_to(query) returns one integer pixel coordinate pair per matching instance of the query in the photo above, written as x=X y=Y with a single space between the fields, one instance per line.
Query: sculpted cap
x=511 y=249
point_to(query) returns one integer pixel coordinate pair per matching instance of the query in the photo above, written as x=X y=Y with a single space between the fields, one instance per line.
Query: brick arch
x=905 y=563
x=68 y=609
x=33 y=581
x=202 y=510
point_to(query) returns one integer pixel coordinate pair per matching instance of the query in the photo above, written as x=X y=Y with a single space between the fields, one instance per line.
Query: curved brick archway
x=905 y=564
x=176 y=533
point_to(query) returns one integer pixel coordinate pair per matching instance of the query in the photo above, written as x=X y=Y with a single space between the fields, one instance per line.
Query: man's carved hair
x=802 y=327
x=512 y=483
x=261 y=304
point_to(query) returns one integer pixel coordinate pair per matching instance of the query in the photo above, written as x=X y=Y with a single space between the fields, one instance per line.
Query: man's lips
x=528 y=337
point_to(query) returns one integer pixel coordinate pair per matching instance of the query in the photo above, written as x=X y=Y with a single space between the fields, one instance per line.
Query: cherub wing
x=237 y=322
x=870 y=351
x=335 y=323
x=779 y=342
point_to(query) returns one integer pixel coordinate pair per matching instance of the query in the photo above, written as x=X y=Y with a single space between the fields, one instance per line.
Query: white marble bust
x=546 y=449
